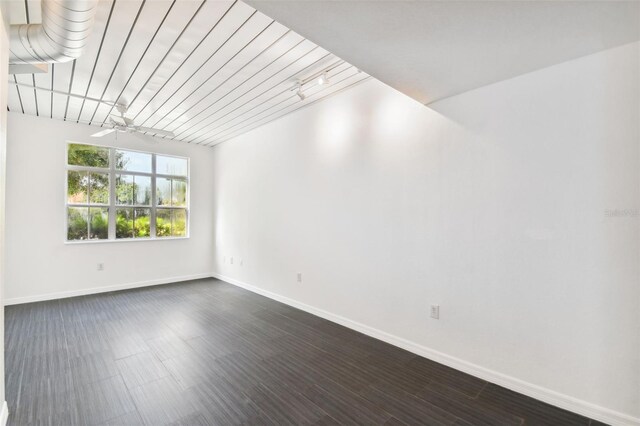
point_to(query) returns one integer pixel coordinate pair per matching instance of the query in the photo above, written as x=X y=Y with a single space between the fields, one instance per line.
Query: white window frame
x=113 y=206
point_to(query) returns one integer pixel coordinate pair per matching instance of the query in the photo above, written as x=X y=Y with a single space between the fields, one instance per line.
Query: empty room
x=319 y=212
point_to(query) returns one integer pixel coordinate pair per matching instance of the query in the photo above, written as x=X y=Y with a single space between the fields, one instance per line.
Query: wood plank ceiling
x=207 y=70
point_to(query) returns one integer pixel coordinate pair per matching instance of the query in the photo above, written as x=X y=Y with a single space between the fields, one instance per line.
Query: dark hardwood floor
x=205 y=352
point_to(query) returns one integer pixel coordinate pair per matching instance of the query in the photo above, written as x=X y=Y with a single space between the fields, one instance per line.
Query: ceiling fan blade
x=157 y=132
x=103 y=133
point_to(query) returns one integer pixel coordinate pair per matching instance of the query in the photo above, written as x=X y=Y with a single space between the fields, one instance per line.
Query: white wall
x=41 y=265
x=495 y=204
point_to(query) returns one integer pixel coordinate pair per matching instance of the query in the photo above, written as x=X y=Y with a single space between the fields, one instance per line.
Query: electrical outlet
x=224 y=259
x=435 y=311
x=299 y=277
x=231 y=260
x=241 y=262
x=100 y=267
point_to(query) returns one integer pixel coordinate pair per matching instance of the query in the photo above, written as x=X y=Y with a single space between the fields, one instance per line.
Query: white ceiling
x=430 y=50
x=206 y=70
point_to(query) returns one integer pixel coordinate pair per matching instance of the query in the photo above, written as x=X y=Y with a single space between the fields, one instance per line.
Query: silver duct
x=65 y=29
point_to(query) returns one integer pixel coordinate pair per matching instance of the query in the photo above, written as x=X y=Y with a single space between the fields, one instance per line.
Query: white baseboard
x=105 y=289
x=543 y=394
x=4 y=414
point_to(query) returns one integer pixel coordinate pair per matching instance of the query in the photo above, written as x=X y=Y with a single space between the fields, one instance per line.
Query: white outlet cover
x=435 y=311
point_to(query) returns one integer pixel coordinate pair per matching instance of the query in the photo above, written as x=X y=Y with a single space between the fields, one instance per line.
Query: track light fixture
x=301 y=95
x=323 y=79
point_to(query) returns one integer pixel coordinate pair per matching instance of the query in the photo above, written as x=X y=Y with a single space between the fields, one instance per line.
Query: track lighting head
x=301 y=95
x=323 y=79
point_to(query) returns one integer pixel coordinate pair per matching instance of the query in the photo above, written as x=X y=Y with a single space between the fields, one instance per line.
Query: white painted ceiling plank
x=286 y=95
x=28 y=96
x=44 y=98
x=27 y=99
x=13 y=98
x=177 y=20
x=108 y=56
x=281 y=81
x=346 y=83
x=35 y=11
x=263 y=76
x=237 y=25
x=151 y=16
x=194 y=34
x=84 y=66
x=17 y=12
x=274 y=53
x=224 y=71
x=41 y=79
x=195 y=58
x=209 y=76
x=61 y=82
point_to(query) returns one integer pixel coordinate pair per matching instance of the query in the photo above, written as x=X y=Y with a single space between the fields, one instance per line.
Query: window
x=117 y=194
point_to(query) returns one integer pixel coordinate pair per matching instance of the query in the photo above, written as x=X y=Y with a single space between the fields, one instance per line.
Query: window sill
x=124 y=240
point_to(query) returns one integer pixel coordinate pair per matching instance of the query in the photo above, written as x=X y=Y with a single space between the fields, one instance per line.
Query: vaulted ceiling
x=205 y=70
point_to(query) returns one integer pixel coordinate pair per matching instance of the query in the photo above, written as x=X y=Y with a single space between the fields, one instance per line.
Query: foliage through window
x=115 y=194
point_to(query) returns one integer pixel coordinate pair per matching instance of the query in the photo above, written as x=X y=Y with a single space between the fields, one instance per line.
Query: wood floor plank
x=189 y=369
x=100 y=401
x=168 y=346
x=130 y=418
x=162 y=402
x=346 y=407
x=139 y=369
x=222 y=402
x=468 y=409
x=85 y=339
x=127 y=344
x=195 y=419
x=45 y=402
x=406 y=407
x=285 y=406
x=533 y=411
x=93 y=367
x=447 y=376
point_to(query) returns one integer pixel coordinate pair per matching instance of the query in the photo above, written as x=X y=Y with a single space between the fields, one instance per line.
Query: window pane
x=179 y=193
x=171 y=166
x=77 y=227
x=163 y=192
x=87 y=155
x=142 y=190
x=133 y=161
x=124 y=190
x=124 y=223
x=89 y=193
x=99 y=190
x=99 y=223
x=163 y=223
x=179 y=223
x=141 y=223
x=77 y=187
